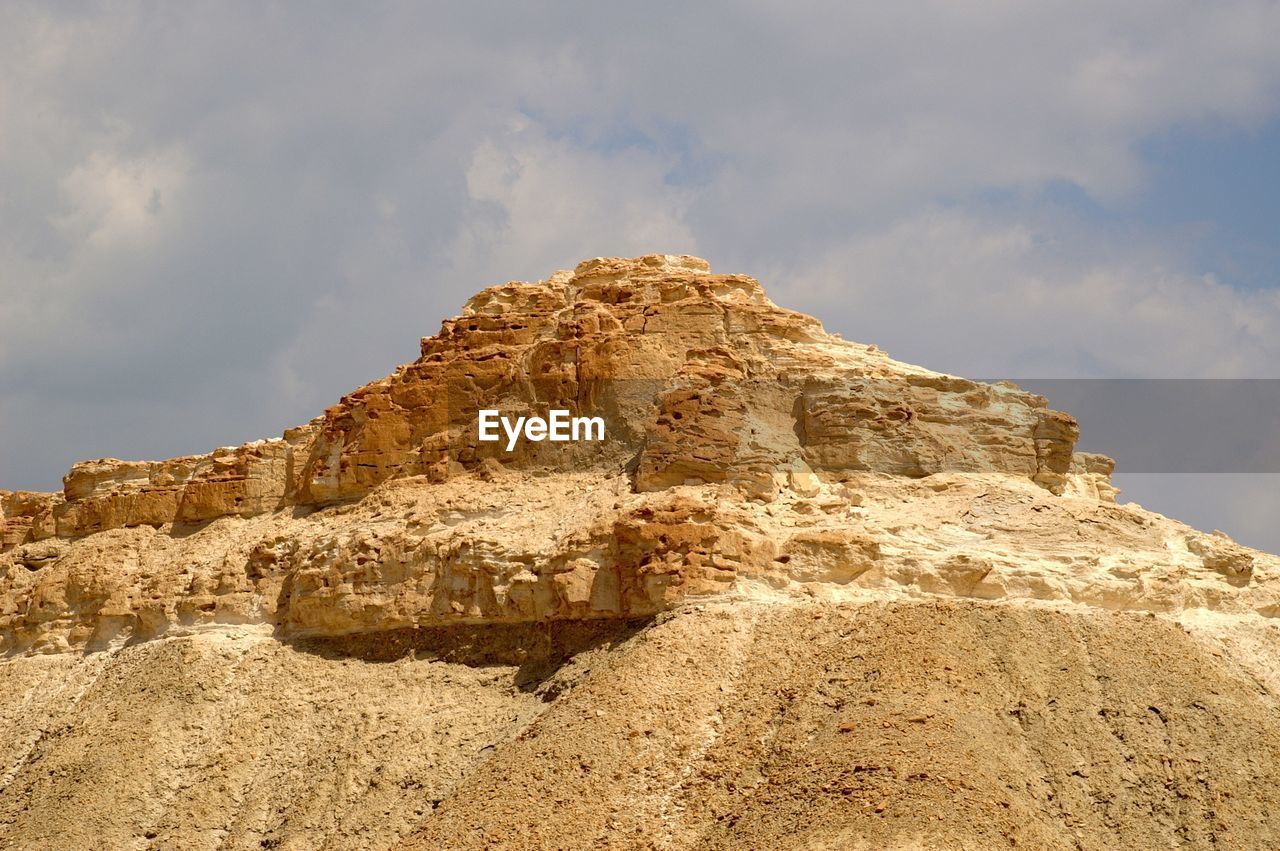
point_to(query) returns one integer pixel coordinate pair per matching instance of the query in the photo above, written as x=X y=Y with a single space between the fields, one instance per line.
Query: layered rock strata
x=746 y=449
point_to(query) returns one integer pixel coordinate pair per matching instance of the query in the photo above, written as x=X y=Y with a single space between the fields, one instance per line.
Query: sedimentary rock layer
x=734 y=723
x=801 y=596
x=745 y=445
x=699 y=373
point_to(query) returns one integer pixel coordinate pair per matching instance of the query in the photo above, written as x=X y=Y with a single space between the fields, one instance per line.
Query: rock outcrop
x=801 y=595
x=745 y=447
x=700 y=374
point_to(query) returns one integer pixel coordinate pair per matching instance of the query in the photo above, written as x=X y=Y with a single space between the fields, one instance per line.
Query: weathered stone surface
x=26 y=516
x=237 y=481
x=801 y=596
x=699 y=373
x=747 y=451
x=1223 y=555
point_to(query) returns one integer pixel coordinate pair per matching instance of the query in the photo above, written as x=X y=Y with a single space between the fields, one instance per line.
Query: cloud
x=217 y=218
x=967 y=292
x=117 y=202
x=534 y=202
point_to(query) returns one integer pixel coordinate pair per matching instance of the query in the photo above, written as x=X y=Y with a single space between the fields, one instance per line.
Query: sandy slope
x=236 y=741
x=728 y=724
x=891 y=726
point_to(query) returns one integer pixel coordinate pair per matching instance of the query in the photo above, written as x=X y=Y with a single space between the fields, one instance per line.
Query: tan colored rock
x=803 y=595
x=1222 y=555
x=832 y=555
x=26 y=516
x=728 y=369
x=234 y=481
x=1090 y=477
x=746 y=449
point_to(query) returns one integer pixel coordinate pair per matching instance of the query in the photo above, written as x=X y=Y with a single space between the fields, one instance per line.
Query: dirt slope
x=728 y=724
x=237 y=741
x=945 y=725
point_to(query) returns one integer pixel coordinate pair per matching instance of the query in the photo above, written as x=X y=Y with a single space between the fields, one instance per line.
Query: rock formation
x=750 y=456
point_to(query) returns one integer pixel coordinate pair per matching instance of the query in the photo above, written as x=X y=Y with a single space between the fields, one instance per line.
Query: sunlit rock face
x=745 y=449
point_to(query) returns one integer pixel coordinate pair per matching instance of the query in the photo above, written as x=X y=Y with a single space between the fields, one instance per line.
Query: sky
x=217 y=218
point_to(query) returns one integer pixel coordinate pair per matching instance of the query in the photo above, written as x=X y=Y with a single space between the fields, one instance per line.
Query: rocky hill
x=800 y=595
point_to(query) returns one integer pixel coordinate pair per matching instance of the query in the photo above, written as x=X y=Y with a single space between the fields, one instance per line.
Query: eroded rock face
x=699 y=373
x=745 y=448
x=26 y=516
x=242 y=481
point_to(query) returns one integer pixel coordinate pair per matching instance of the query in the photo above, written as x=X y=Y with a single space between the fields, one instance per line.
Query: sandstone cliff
x=751 y=459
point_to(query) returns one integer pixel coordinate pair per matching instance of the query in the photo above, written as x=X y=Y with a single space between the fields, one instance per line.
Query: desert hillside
x=799 y=595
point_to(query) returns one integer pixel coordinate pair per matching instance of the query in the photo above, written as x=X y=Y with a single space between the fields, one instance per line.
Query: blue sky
x=1223 y=187
x=216 y=218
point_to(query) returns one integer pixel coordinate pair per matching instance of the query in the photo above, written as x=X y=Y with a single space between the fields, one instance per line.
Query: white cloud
x=116 y=201
x=867 y=108
x=980 y=296
x=536 y=204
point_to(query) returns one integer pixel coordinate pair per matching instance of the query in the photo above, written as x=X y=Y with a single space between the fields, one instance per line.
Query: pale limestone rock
x=1222 y=555
x=748 y=452
x=1090 y=477
x=26 y=516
